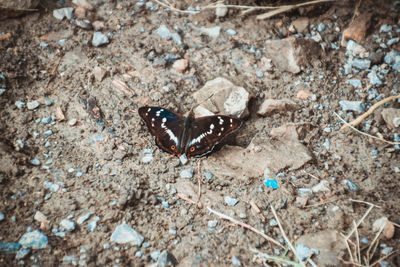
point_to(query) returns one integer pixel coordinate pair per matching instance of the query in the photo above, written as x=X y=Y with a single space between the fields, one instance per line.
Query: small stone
x=40 y=217
x=385 y=28
x=81 y=219
x=139 y=254
x=305 y=252
x=388 y=227
x=270 y=106
x=259 y=74
x=2 y=216
x=208 y=175
x=32 y=105
x=84 y=24
x=80 y=12
x=387 y=250
x=231 y=32
x=67 y=225
x=70 y=260
x=155 y=254
x=98 y=25
x=93 y=223
x=123 y=234
x=180 y=65
x=321 y=27
x=236 y=261
x=221 y=10
x=374 y=79
x=301 y=201
x=361 y=64
x=48 y=102
x=326 y=144
x=350 y=185
x=322 y=186
x=273 y=223
x=305 y=191
x=83 y=3
x=48 y=132
x=99 y=73
x=354 y=83
x=301 y=24
x=62 y=13
x=212 y=223
x=357 y=29
x=392 y=117
x=302 y=94
x=99 y=39
x=72 y=122
x=163 y=32
x=356 y=106
x=230 y=201
x=364 y=240
x=34 y=239
x=390 y=58
x=35 y=162
x=392 y=41
x=187 y=173
x=183 y=159
x=166 y=259
x=46 y=120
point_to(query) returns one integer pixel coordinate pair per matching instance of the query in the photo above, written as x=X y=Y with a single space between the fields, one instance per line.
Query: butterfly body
x=178 y=135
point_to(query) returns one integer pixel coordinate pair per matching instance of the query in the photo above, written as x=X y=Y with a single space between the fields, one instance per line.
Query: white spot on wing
x=172 y=136
x=164 y=119
x=149 y=110
x=222 y=128
x=212 y=126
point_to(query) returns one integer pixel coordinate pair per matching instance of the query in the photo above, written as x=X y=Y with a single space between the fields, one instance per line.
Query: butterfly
x=178 y=135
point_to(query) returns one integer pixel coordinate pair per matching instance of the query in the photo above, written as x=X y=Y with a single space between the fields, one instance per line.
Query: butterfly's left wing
x=209 y=131
x=165 y=125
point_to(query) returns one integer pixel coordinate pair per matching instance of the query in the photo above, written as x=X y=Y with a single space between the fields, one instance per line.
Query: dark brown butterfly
x=178 y=135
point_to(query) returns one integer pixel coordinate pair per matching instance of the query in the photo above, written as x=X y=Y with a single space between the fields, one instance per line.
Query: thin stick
x=175 y=9
x=381 y=259
x=359 y=222
x=371 y=136
x=226 y=217
x=275 y=258
x=357 y=243
x=395 y=224
x=373 y=242
x=199 y=182
x=365 y=202
x=319 y=204
x=186 y=199
x=360 y=118
x=348 y=249
x=313 y=176
x=285 y=237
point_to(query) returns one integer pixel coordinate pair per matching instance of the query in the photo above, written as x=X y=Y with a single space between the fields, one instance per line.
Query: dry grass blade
x=360 y=118
x=374 y=243
x=385 y=257
x=226 y=217
x=268 y=257
x=371 y=136
x=359 y=222
x=282 y=9
x=286 y=238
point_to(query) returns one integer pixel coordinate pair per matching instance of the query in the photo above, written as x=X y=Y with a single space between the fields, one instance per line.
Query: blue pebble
x=231 y=32
x=321 y=27
x=230 y=201
x=99 y=39
x=273 y=183
x=374 y=79
x=81 y=219
x=48 y=132
x=361 y=64
x=326 y=144
x=43 y=44
x=34 y=239
x=79 y=174
x=385 y=28
x=67 y=225
x=62 y=42
x=305 y=191
x=165 y=204
x=35 y=162
x=374 y=153
x=364 y=240
x=305 y=252
x=350 y=185
x=19 y=104
x=70 y=260
x=145 y=244
x=236 y=261
x=47 y=144
x=22 y=253
x=273 y=222
x=259 y=74
x=392 y=41
x=356 y=106
x=208 y=175
x=46 y=120
x=2 y=216
x=48 y=102
x=187 y=173
x=139 y=254
x=93 y=223
x=354 y=82
x=155 y=254
x=9 y=247
x=106 y=246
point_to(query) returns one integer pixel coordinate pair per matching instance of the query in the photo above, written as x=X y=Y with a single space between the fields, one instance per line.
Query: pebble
x=61 y=13
x=180 y=65
x=212 y=223
x=321 y=27
x=354 y=83
x=99 y=39
x=350 y=185
x=356 y=106
x=9 y=247
x=208 y=175
x=187 y=173
x=155 y=254
x=230 y=201
x=327 y=144
x=392 y=41
x=35 y=162
x=221 y=10
x=164 y=33
x=322 y=186
x=32 y=105
x=390 y=57
x=361 y=64
x=123 y=233
x=51 y=186
x=22 y=253
x=93 y=223
x=364 y=240
x=305 y=252
x=172 y=231
x=39 y=216
x=2 y=216
x=183 y=159
x=19 y=104
x=46 y=120
x=139 y=254
x=48 y=132
x=354 y=49
x=145 y=244
x=34 y=239
x=147 y=158
x=165 y=259
x=259 y=74
x=374 y=79
x=385 y=28
x=212 y=32
x=67 y=225
x=81 y=219
x=305 y=191
x=273 y=222
x=236 y=261
x=386 y=250
x=231 y=32
x=72 y=122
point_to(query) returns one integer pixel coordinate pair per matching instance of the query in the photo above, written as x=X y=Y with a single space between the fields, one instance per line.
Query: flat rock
x=357 y=29
x=292 y=54
x=301 y=24
x=99 y=39
x=330 y=245
x=227 y=99
x=356 y=106
x=180 y=65
x=125 y=234
x=270 y=106
x=262 y=153
x=62 y=13
x=392 y=117
x=166 y=259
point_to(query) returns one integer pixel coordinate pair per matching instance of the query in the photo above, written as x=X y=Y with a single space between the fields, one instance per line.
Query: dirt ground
x=99 y=158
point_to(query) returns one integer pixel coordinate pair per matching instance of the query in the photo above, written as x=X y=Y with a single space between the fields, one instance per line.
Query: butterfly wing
x=207 y=132
x=165 y=125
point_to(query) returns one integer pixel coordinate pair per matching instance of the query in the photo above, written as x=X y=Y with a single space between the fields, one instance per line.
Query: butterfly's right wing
x=165 y=125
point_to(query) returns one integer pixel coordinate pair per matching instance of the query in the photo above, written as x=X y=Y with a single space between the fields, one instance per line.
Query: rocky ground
x=82 y=182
